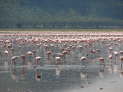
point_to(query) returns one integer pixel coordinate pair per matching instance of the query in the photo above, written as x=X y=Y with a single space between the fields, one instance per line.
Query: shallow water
x=24 y=80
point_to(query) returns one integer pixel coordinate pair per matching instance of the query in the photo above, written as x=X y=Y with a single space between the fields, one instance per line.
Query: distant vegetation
x=61 y=13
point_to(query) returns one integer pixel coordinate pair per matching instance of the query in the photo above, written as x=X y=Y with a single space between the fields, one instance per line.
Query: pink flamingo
x=23 y=59
x=102 y=63
x=121 y=52
x=121 y=66
x=121 y=59
x=64 y=53
x=49 y=55
x=110 y=57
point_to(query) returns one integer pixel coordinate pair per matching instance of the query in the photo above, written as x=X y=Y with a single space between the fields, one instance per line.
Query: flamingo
x=38 y=58
x=13 y=60
x=49 y=55
x=84 y=75
x=110 y=50
x=6 y=52
x=34 y=53
x=111 y=63
x=65 y=52
x=121 y=52
x=58 y=62
x=83 y=61
x=116 y=56
x=23 y=59
x=102 y=63
x=121 y=58
x=30 y=55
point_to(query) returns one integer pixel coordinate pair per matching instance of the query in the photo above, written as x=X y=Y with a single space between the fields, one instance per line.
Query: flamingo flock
x=56 y=51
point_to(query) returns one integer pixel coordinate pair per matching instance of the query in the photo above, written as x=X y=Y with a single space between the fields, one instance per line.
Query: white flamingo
x=58 y=62
x=116 y=56
x=38 y=58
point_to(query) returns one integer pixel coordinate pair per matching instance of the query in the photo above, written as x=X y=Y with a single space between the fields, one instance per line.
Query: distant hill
x=61 y=13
